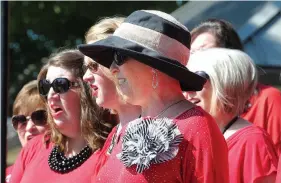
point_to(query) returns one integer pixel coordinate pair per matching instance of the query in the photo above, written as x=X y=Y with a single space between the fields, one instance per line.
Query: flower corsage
x=149 y=141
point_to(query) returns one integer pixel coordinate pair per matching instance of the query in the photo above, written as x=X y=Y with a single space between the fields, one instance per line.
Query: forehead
x=204 y=40
x=88 y=60
x=56 y=72
x=31 y=108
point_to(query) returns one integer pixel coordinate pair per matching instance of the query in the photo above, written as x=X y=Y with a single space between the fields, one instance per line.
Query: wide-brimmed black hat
x=154 y=38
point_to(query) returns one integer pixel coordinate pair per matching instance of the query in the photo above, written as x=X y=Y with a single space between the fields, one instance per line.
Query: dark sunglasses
x=39 y=118
x=203 y=74
x=119 y=59
x=59 y=85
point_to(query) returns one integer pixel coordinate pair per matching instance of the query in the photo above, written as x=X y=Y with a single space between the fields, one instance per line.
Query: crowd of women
x=146 y=100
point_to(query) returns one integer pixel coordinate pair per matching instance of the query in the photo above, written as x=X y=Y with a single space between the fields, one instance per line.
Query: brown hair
x=96 y=123
x=223 y=31
x=28 y=99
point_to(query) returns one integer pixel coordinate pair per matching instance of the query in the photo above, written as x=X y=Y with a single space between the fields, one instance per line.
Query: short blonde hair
x=233 y=77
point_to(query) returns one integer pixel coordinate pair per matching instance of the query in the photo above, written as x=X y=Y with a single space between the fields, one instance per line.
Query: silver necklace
x=164 y=110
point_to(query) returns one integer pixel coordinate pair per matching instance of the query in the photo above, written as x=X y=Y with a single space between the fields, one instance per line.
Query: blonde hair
x=233 y=77
x=101 y=30
x=28 y=99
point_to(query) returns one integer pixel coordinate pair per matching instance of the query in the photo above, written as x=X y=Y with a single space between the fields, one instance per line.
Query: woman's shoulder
x=195 y=117
x=251 y=136
x=268 y=92
x=35 y=145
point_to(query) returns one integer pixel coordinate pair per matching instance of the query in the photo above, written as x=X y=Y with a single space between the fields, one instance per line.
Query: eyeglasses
x=60 y=85
x=203 y=74
x=92 y=66
x=119 y=59
x=39 y=118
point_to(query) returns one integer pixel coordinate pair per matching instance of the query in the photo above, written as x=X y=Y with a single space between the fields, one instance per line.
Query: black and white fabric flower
x=149 y=141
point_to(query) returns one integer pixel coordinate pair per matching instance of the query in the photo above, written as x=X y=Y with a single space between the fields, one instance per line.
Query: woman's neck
x=222 y=119
x=127 y=113
x=74 y=146
x=161 y=101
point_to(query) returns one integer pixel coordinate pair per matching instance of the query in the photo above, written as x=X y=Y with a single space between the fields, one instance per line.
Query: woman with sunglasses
x=173 y=141
x=103 y=86
x=29 y=116
x=231 y=79
x=264 y=106
x=78 y=127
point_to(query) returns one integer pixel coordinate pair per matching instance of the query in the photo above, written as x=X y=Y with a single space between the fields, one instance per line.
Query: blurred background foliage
x=36 y=29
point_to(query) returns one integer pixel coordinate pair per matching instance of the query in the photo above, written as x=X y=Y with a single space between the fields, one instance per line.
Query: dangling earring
x=154 y=79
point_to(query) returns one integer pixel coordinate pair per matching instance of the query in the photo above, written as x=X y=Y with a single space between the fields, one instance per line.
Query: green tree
x=36 y=29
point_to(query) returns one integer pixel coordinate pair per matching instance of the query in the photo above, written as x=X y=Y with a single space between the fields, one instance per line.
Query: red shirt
x=202 y=156
x=8 y=173
x=265 y=111
x=251 y=155
x=103 y=154
x=32 y=166
x=278 y=177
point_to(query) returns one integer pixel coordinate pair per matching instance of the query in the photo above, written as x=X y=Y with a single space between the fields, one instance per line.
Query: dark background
x=36 y=29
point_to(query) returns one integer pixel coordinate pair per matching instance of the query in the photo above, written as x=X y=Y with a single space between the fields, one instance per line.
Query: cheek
x=106 y=85
x=21 y=134
x=185 y=94
x=41 y=129
x=72 y=103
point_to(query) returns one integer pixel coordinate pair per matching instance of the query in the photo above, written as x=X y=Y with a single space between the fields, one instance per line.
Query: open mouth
x=56 y=110
x=94 y=90
x=94 y=87
x=29 y=137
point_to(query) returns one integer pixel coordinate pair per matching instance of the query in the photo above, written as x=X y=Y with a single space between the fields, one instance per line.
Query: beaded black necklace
x=61 y=164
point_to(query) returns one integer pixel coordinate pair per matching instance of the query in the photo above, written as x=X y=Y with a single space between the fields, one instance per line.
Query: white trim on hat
x=154 y=40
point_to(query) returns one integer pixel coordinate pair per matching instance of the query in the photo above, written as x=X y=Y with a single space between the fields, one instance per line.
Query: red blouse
x=8 y=173
x=278 y=177
x=103 y=154
x=202 y=156
x=32 y=166
x=251 y=155
x=265 y=111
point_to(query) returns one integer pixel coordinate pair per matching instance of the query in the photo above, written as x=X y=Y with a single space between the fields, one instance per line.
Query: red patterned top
x=202 y=156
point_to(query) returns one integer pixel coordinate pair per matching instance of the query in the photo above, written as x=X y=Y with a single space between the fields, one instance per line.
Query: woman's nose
x=88 y=76
x=52 y=94
x=29 y=125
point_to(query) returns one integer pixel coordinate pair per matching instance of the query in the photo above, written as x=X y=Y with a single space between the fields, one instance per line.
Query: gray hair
x=233 y=77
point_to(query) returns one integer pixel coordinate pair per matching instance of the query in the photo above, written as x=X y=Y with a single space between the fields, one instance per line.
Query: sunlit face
x=203 y=41
x=103 y=88
x=65 y=107
x=26 y=131
x=134 y=80
x=201 y=98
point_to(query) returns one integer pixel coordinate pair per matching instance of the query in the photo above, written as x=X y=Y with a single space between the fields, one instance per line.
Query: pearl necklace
x=61 y=164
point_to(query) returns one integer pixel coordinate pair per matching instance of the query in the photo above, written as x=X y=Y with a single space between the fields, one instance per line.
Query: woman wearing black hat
x=174 y=141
